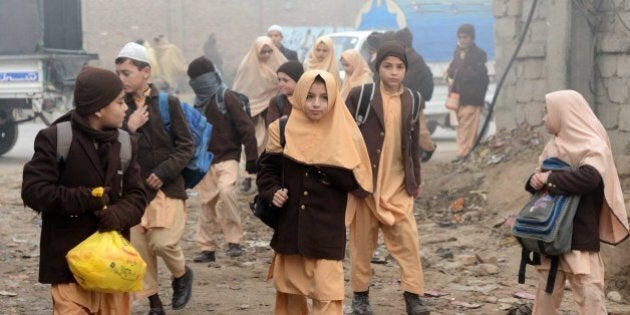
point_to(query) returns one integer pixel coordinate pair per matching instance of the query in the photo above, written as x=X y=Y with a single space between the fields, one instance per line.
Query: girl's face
x=316 y=101
x=286 y=85
x=347 y=67
x=265 y=53
x=321 y=52
x=547 y=121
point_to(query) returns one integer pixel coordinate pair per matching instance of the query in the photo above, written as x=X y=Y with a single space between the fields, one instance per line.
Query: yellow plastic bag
x=106 y=262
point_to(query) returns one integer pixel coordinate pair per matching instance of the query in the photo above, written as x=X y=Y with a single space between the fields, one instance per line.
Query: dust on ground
x=470 y=260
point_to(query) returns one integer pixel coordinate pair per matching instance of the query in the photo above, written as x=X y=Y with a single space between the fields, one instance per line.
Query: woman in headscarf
x=288 y=75
x=357 y=71
x=256 y=77
x=580 y=140
x=324 y=145
x=322 y=57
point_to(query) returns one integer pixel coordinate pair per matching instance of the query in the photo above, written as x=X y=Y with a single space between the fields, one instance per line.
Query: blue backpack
x=201 y=131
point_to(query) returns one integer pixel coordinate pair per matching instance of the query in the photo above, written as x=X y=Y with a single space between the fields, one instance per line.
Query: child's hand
x=280 y=197
x=539 y=180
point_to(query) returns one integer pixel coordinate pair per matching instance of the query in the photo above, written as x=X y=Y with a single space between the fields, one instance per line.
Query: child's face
x=286 y=85
x=112 y=115
x=392 y=71
x=316 y=105
x=347 y=67
x=265 y=53
x=321 y=52
x=133 y=79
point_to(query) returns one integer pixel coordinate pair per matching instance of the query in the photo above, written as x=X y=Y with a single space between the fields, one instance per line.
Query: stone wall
x=109 y=24
x=580 y=45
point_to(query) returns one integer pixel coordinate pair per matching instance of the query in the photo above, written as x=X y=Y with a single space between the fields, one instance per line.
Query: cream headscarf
x=334 y=140
x=360 y=75
x=580 y=139
x=256 y=79
x=328 y=64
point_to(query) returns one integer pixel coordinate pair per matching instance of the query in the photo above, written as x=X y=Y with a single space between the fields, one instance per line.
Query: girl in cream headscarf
x=322 y=57
x=310 y=180
x=256 y=77
x=357 y=71
x=580 y=140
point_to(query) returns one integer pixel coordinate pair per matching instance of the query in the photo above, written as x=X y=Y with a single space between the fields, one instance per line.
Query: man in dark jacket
x=61 y=189
x=232 y=127
x=469 y=77
x=163 y=155
x=275 y=33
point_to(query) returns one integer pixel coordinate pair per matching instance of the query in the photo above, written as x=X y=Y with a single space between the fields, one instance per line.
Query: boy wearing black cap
x=391 y=133
x=60 y=189
x=288 y=75
x=163 y=155
x=232 y=127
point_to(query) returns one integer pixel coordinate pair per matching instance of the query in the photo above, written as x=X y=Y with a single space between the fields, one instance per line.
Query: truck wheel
x=8 y=136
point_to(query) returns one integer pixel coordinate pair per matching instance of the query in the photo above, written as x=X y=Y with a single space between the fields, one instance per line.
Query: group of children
x=323 y=168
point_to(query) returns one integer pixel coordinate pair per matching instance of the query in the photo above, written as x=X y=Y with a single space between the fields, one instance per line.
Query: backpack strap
x=280 y=104
x=163 y=106
x=553 y=271
x=64 y=139
x=220 y=97
x=363 y=108
x=417 y=102
x=125 y=149
x=283 y=125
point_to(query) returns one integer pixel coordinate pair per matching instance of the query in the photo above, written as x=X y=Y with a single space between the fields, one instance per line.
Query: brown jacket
x=470 y=76
x=231 y=130
x=162 y=153
x=53 y=189
x=587 y=182
x=373 y=131
x=312 y=221
x=273 y=111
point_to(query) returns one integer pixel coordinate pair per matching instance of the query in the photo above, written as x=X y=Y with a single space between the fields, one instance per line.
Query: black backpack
x=220 y=97
x=365 y=102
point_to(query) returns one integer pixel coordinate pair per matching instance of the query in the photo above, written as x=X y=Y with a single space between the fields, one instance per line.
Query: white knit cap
x=275 y=27
x=134 y=51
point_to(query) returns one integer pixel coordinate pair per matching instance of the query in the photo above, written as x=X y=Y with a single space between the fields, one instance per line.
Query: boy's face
x=464 y=40
x=392 y=72
x=112 y=115
x=276 y=37
x=133 y=78
x=286 y=85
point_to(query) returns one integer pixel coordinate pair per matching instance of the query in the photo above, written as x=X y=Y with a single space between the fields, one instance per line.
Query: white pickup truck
x=35 y=84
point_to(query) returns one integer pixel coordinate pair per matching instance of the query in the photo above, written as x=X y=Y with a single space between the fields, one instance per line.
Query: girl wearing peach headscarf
x=328 y=163
x=256 y=77
x=580 y=140
x=357 y=71
x=322 y=57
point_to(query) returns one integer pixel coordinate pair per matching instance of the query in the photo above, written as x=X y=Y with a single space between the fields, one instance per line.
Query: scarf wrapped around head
x=580 y=139
x=334 y=140
x=328 y=64
x=360 y=75
x=258 y=80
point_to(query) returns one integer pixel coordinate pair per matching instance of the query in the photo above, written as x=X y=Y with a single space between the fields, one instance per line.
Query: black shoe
x=361 y=304
x=426 y=155
x=182 y=289
x=157 y=311
x=204 y=257
x=234 y=250
x=414 y=305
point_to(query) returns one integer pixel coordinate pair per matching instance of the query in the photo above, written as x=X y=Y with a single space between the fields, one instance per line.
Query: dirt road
x=470 y=261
